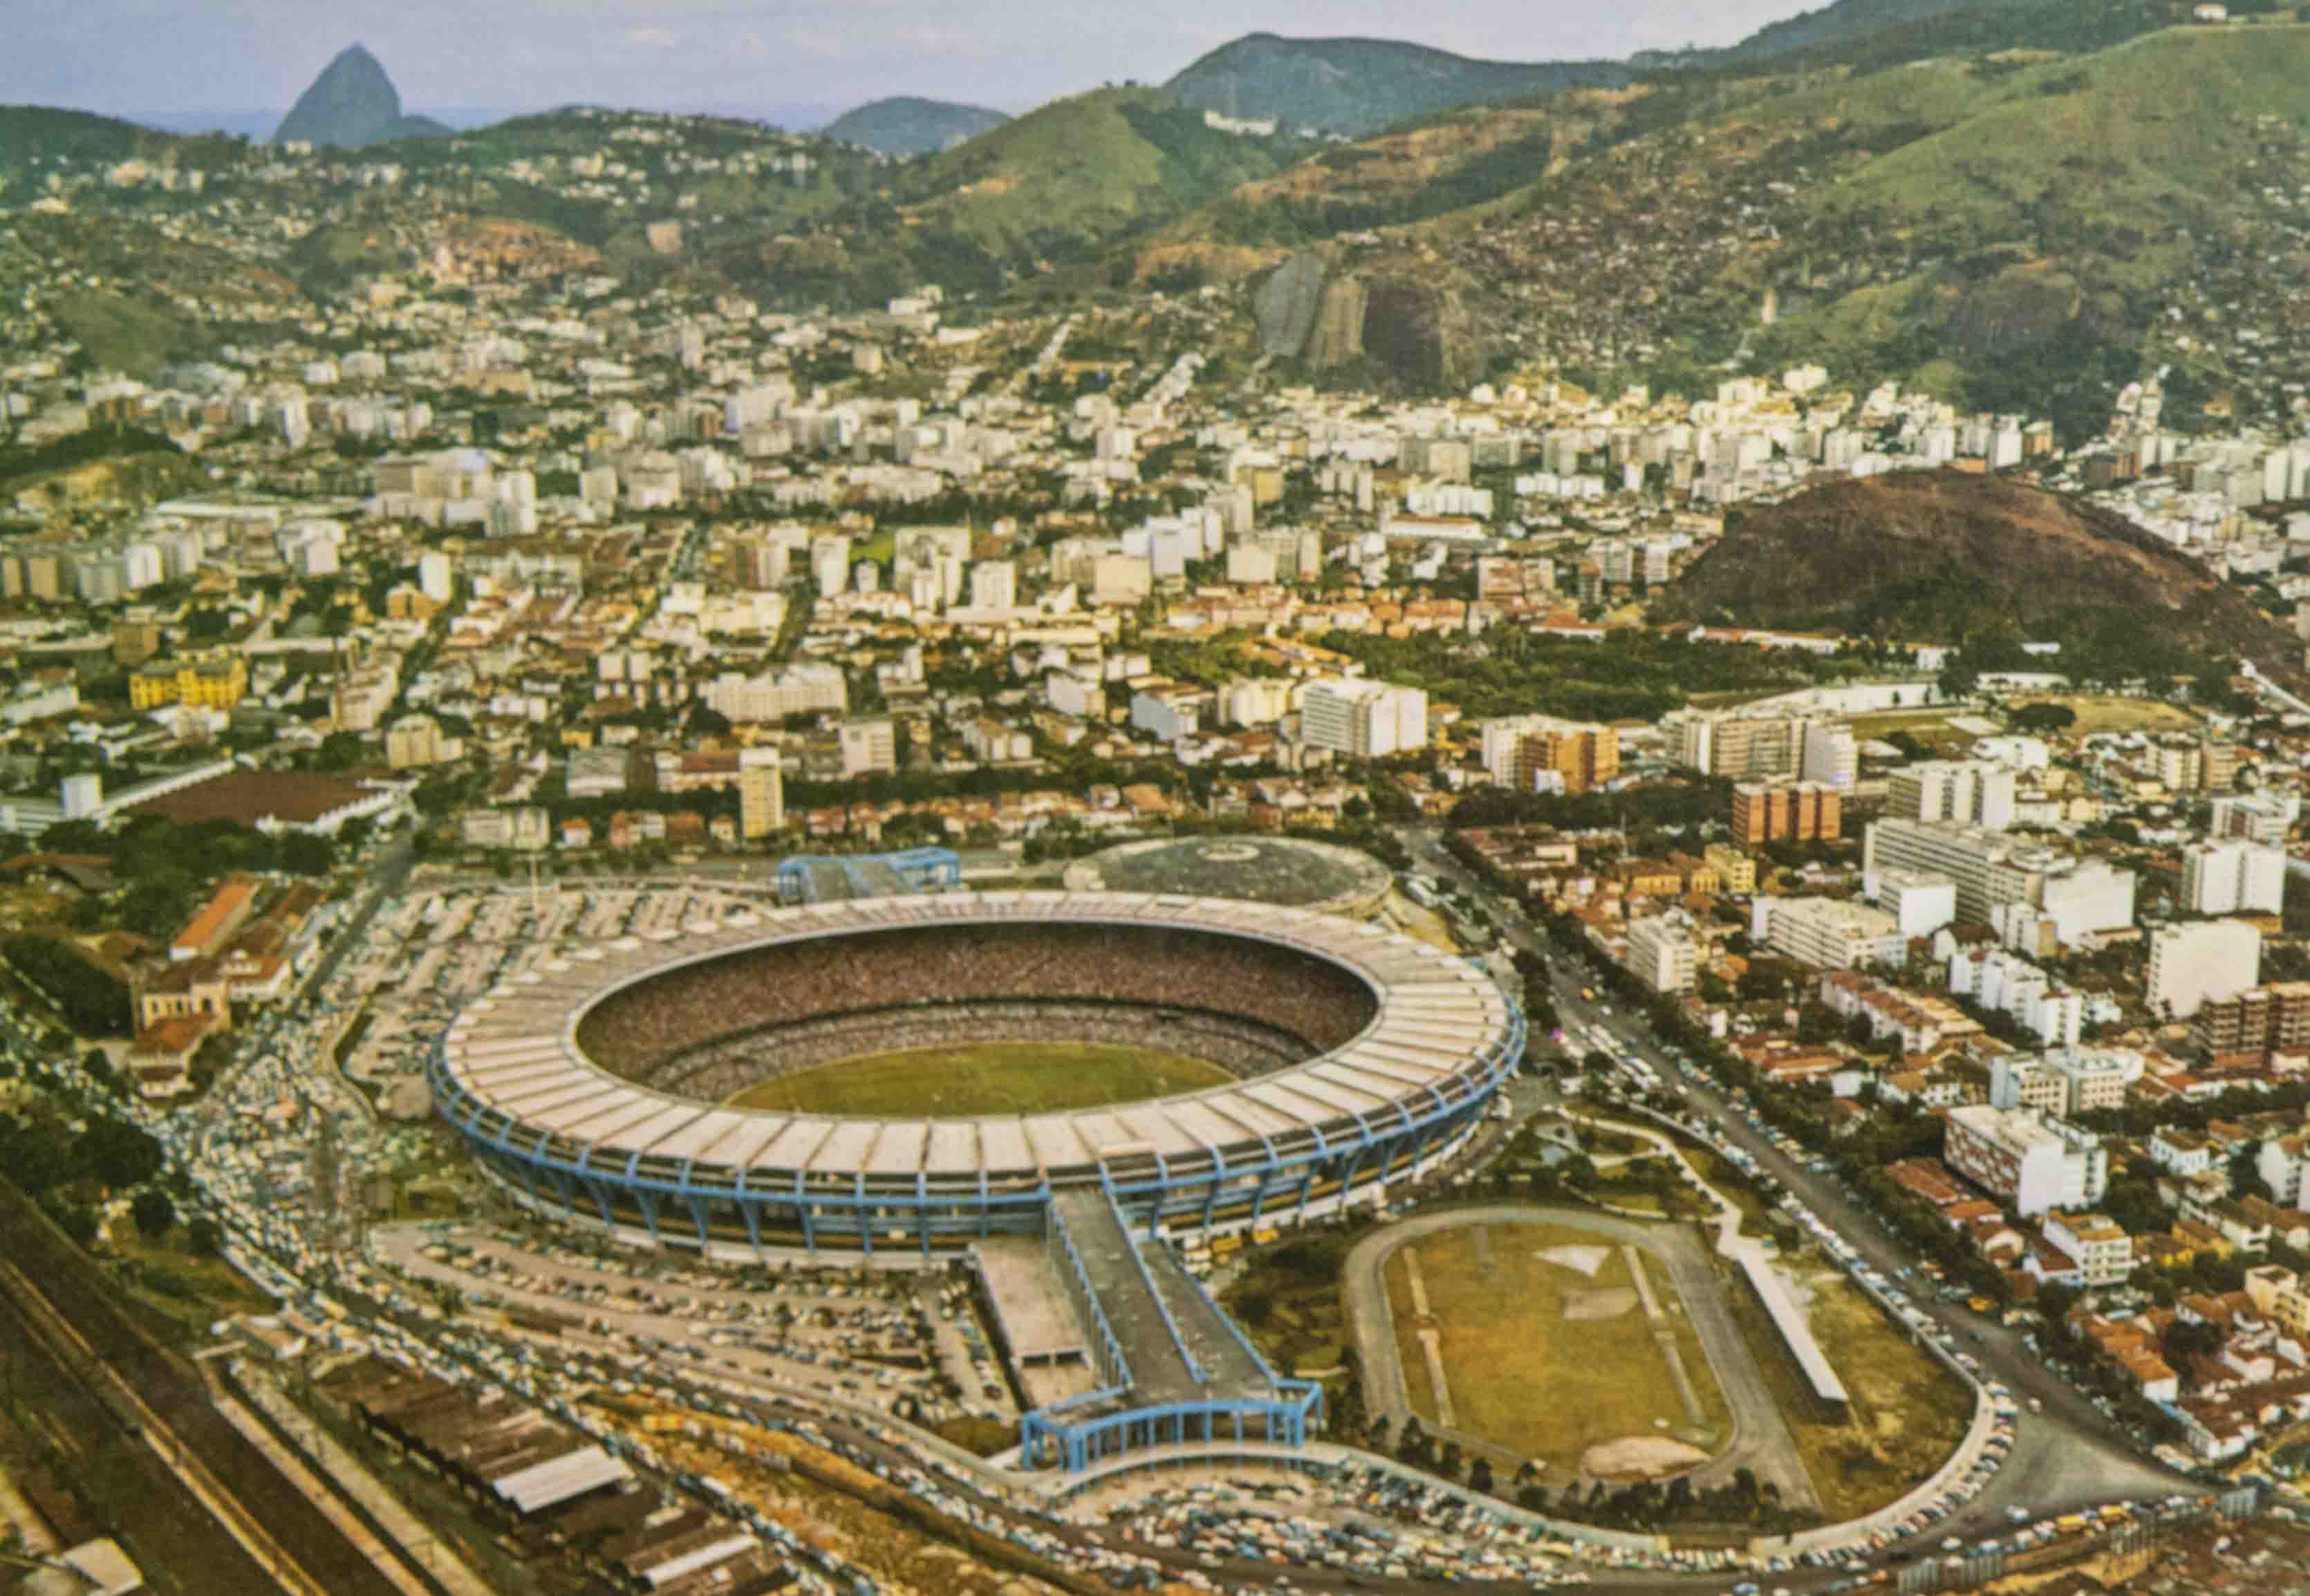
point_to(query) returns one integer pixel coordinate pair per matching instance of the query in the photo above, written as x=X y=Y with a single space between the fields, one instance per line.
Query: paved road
x=2066 y=1458
x=1761 y=1441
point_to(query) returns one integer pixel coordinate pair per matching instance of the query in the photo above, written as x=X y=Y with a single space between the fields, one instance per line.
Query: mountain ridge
x=1359 y=85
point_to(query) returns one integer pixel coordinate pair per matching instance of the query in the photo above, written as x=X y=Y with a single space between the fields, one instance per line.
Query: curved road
x=2067 y=1458
x=1761 y=1442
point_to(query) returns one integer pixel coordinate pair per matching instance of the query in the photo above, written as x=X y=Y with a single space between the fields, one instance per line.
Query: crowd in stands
x=718 y=1069
x=896 y=978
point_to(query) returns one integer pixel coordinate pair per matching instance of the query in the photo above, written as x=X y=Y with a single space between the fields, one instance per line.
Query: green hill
x=2023 y=227
x=1361 y=85
x=1083 y=172
x=33 y=136
x=905 y=126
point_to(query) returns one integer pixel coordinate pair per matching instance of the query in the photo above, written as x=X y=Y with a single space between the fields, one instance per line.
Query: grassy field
x=1908 y=1412
x=191 y=1291
x=2097 y=713
x=1524 y=1375
x=983 y=1077
x=124 y=334
x=1929 y=727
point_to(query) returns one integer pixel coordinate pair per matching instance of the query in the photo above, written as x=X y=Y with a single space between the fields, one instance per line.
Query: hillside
x=353 y=104
x=905 y=126
x=1843 y=22
x=2009 y=227
x=1360 y=85
x=1987 y=562
x=35 y=135
x=1083 y=171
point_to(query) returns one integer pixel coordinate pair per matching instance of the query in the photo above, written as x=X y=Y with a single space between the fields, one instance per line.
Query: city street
x=2067 y=1457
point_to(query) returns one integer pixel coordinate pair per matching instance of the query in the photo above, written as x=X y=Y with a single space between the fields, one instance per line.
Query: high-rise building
x=1994 y=872
x=869 y=747
x=1529 y=751
x=1826 y=933
x=1785 y=810
x=2201 y=961
x=994 y=584
x=2228 y=878
x=2262 y=818
x=830 y=564
x=1364 y=720
x=2256 y=1023
x=1965 y=791
x=2013 y=986
x=1660 y=952
x=761 y=794
x=1832 y=756
x=2034 y=1163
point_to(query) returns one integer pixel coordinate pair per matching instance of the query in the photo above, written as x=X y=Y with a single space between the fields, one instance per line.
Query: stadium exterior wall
x=1263 y=1178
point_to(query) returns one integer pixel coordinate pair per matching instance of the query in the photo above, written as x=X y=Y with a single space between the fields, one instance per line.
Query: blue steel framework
x=918 y=868
x=1268 y=1179
x=1276 y=1183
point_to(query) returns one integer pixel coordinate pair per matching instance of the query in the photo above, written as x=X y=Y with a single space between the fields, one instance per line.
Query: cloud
x=651 y=39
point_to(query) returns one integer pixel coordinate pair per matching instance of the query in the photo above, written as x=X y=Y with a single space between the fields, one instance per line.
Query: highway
x=2068 y=1457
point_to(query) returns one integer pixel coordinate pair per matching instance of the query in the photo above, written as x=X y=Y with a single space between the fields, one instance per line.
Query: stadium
x=603 y=1089
x=594 y=1087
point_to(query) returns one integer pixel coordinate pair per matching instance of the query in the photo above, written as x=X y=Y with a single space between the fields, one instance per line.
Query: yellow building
x=205 y=684
x=1735 y=869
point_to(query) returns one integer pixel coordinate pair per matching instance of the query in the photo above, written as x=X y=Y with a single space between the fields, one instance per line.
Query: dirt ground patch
x=1598 y=1305
x=1587 y=1259
x=1640 y=1457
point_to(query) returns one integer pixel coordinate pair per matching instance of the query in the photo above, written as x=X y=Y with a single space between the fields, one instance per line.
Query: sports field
x=983 y=1077
x=1546 y=1349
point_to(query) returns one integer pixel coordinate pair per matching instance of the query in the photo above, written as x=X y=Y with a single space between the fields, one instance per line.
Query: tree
x=120 y=1155
x=204 y=1236
x=1479 y=1476
x=2044 y=717
x=153 y=1214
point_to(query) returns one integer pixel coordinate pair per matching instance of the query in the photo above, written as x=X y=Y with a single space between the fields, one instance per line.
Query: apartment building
x=2232 y=878
x=2263 y=819
x=2013 y=986
x=1660 y=952
x=2256 y=1023
x=761 y=794
x=1785 y=810
x=1993 y=874
x=1363 y=720
x=2034 y=1164
x=2095 y=1243
x=2203 y=960
x=1826 y=933
x=1753 y=746
x=797 y=690
x=1968 y=792
x=1736 y=871
x=1532 y=751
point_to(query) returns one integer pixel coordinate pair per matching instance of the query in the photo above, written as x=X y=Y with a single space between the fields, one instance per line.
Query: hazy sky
x=154 y=55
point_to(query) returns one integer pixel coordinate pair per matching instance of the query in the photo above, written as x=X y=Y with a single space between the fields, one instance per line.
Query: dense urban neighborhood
x=1555 y=843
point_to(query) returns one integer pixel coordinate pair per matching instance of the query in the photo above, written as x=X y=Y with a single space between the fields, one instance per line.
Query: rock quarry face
x=1416 y=332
